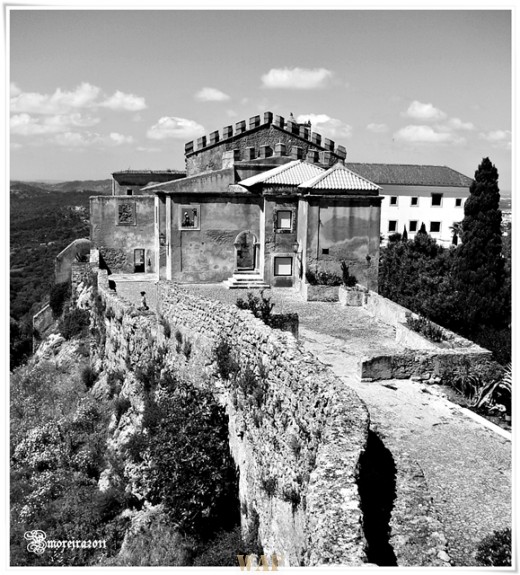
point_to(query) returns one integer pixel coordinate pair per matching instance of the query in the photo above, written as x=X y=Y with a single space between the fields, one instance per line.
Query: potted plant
x=349 y=292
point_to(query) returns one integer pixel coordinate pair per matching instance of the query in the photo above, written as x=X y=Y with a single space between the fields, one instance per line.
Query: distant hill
x=99 y=187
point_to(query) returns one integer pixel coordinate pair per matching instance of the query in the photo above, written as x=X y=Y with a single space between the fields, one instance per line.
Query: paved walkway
x=467 y=466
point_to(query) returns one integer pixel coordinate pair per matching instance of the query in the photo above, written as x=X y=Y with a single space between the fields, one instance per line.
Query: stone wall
x=297 y=447
x=65 y=259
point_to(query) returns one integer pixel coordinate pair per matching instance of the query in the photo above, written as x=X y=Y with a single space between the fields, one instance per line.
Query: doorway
x=139 y=261
x=246 y=248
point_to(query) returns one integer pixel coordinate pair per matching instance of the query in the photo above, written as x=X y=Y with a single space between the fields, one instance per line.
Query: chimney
x=188 y=148
x=304 y=132
x=325 y=158
x=240 y=127
x=268 y=117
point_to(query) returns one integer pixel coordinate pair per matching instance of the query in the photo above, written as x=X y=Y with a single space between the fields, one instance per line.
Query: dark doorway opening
x=139 y=261
x=246 y=251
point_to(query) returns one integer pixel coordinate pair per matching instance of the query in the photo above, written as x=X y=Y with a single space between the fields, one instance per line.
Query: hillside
x=44 y=219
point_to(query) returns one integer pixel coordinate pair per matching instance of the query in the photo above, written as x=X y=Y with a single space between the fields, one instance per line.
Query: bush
x=425 y=327
x=121 y=406
x=88 y=376
x=261 y=307
x=348 y=279
x=74 y=322
x=322 y=278
x=166 y=326
x=226 y=364
x=59 y=294
x=495 y=550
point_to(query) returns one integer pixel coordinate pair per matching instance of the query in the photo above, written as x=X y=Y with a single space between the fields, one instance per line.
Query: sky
x=96 y=91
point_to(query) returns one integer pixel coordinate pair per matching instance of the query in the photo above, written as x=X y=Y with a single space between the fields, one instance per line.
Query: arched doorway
x=246 y=251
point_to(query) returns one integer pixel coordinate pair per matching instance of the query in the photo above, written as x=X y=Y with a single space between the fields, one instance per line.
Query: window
x=325 y=251
x=283 y=266
x=414 y=201
x=413 y=226
x=435 y=227
x=392 y=225
x=129 y=191
x=284 y=220
x=436 y=199
x=393 y=200
x=458 y=202
x=189 y=218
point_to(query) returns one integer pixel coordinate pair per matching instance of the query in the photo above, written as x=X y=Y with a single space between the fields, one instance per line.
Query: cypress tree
x=478 y=271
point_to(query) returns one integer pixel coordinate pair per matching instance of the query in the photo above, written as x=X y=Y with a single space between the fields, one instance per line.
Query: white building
x=413 y=195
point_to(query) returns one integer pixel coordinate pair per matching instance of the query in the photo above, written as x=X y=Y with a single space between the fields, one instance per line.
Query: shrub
x=187 y=349
x=227 y=366
x=269 y=485
x=121 y=406
x=178 y=339
x=425 y=327
x=88 y=376
x=74 y=322
x=59 y=294
x=135 y=447
x=322 y=278
x=495 y=550
x=348 y=279
x=166 y=326
x=261 y=307
x=115 y=381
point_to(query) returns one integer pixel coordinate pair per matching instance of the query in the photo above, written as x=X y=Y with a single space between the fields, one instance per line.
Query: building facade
x=414 y=195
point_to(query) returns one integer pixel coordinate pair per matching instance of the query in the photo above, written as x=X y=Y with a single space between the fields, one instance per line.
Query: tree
x=479 y=271
x=404 y=237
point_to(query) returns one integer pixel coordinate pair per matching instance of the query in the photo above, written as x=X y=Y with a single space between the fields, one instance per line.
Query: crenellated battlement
x=314 y=148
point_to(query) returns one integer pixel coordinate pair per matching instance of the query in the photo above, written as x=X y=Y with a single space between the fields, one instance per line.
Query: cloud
x=27 y=125
x=326 y=125
x=127 y=102
x=420 y=111
x=426 y=135
x=458 y=124
x=211 y=95
x=497 y=138
x=377 y=128
x=173 y=127
x=62 y=102
x=119 y=139
x=296 y=78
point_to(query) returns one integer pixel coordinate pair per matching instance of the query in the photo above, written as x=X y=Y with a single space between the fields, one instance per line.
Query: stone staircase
x=246 y=280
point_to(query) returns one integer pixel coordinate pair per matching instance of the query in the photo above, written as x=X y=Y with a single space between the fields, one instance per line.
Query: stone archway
x=246 y=251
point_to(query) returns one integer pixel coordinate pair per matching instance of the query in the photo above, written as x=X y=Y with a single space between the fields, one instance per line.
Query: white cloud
x=426 y=135
x=377 y=128
x=326 y=125
x=458 y=124
x=77 y=139
x=497 y=138
x=296 y=78
x=211 y=95
x=173 y=127
x=127 y=102
x=119 y=139
x=62 y=102
x=27 y=125
x=420 y=111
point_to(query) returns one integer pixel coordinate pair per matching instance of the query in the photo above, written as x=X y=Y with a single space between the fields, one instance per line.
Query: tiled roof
x=290 y=174
x=338 y=177
x=411 y=175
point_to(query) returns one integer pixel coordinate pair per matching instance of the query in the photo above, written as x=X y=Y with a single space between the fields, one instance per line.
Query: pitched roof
x=338 y=177
x=411 y=175
x=290 y=174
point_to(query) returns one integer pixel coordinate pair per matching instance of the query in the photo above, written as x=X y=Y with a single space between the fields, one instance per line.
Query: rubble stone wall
x=297 y=445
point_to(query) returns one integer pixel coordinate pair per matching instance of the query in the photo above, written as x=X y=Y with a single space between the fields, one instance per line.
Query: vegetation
x=261 y=307
x=321 y=277
x=426 y=328
x=74 y=323
x=347 y=278
x=495 y=550
x=466 y=288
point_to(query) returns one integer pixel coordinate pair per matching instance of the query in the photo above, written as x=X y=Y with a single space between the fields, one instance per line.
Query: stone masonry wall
x=297 y=447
